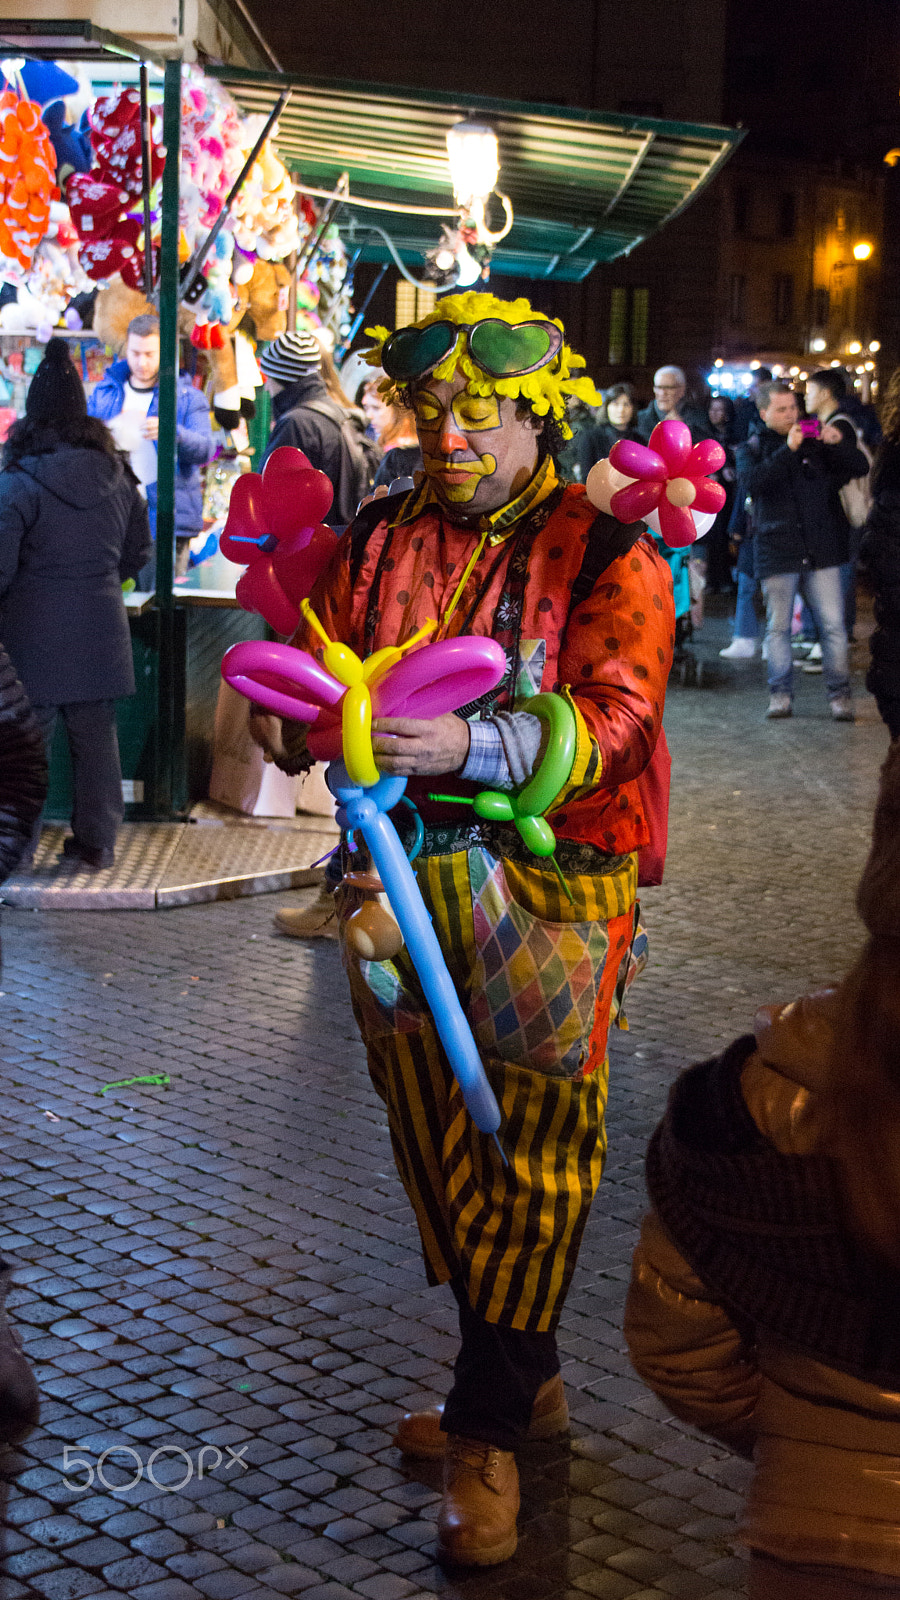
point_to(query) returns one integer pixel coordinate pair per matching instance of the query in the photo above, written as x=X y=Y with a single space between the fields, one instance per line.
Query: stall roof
x=72 y=40
x=586 y=186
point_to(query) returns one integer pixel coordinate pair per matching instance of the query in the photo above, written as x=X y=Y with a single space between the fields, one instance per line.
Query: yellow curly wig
x=544 y=390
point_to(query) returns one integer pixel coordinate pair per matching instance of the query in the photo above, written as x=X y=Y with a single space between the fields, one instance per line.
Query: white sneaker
x=813 y=662
x=739 y=650
x=764 y=652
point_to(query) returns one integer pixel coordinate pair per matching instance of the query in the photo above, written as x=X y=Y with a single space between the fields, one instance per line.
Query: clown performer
x=490 y=542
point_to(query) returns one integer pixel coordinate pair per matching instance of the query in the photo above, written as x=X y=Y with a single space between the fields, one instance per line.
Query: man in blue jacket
x=800 y=536
x=127 y=400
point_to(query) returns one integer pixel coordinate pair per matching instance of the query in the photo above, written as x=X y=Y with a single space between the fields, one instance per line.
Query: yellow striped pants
x=540 y=979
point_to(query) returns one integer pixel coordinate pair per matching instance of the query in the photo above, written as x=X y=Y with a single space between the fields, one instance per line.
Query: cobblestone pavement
x=225 y=1269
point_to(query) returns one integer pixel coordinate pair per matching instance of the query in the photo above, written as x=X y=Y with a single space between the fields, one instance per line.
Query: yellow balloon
x=343 y=662
x=356 y=733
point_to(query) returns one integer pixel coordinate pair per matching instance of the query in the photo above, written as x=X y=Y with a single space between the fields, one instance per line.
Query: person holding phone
x=801 y=537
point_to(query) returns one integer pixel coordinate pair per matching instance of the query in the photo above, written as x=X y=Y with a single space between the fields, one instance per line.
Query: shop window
x=411 y=303
x=737 y=297
x=640 y=320
x=629 y=321
x=787 y=215
x=742 y=202
x=618 y=325
x=783 y=297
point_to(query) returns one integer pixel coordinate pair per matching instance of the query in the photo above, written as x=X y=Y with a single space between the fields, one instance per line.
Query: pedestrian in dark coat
x=73 y=527
x=879 y=564
x=308 y=419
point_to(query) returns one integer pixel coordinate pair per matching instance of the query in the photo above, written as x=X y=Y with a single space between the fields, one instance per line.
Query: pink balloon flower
x=274 y=528
x=671 y=480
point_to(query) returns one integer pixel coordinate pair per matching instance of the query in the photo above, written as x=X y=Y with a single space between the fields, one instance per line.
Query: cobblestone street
x=218 y=1280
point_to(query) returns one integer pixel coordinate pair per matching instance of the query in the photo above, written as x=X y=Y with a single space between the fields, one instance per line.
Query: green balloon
x=493 y=806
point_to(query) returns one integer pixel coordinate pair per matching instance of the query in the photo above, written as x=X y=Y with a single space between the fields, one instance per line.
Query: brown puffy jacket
x=826 y=1445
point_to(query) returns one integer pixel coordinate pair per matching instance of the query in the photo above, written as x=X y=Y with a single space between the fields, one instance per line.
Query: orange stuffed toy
x=27 y=178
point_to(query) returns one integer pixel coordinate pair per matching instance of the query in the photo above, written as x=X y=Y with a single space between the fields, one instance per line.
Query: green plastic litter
x=126 y=1083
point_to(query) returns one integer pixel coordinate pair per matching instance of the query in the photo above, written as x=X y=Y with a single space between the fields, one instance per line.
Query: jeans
x=822 y=591
x=746 y=625
x=498 y=1373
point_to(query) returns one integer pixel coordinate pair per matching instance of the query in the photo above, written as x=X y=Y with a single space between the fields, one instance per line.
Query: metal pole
x=167 y=440
x=146 y=172
x=200 y=255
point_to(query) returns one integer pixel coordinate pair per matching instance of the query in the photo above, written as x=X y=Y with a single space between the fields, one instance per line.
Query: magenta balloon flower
x=671 y=479
x=274 y=529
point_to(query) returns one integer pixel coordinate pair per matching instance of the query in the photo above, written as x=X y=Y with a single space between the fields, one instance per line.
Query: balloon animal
x=664 y=484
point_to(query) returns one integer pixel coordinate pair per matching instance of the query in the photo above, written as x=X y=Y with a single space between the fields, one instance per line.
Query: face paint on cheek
x=457 y=482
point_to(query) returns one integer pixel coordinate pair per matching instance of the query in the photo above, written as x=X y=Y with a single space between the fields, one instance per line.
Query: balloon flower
x=665 y=484
x=275 y=529
x=338 y=700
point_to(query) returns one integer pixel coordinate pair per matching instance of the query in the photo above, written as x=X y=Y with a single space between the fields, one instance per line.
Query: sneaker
x=842 y=709
x=318 y=921
x=780 y=705
x=764 y=652
x=739 y=650
x=813 y=662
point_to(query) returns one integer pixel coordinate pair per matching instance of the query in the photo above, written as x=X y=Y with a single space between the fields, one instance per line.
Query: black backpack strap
x=608 y=539
x=385 y=508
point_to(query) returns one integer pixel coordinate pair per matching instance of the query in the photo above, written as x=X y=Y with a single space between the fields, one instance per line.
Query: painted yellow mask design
x=446 y=429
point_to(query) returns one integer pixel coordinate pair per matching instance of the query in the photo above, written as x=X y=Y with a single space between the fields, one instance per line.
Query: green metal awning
x=586 y=186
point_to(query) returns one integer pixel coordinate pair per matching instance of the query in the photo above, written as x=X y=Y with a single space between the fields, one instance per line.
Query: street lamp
x=862 y=250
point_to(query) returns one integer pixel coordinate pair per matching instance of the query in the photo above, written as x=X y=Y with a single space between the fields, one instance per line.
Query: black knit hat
x=57 y=392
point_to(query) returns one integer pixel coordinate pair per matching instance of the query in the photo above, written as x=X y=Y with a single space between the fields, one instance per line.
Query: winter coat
x=798 y=520
x=879 y=564
x=757 y=1312
x=695 y=417
x=23 y=768
x=401 y=461
x=73 y=526
x=592 y=443
x=320 y=437
x=193 y=438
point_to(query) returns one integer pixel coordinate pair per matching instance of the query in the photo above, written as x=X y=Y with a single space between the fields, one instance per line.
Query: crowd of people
x=765 y=1288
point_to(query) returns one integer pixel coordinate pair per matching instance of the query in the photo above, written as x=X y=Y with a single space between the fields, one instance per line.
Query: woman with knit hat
x=764 y=1304
x=73 y=527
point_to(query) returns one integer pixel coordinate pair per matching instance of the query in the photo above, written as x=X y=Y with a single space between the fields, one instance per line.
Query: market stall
x=152 y=189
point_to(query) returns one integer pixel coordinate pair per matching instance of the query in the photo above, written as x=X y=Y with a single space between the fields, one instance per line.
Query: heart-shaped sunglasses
x=502 y=349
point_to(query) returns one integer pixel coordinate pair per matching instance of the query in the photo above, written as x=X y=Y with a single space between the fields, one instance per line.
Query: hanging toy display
x=665 y=484
x=27 y=177
x=105 y=203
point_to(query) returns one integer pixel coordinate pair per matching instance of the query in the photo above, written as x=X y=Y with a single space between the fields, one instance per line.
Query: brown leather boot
x=419 y=1433
x=477 y=1519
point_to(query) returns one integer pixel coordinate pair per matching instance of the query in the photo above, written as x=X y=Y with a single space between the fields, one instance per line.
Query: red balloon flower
x=671 y=480
x=274 y=528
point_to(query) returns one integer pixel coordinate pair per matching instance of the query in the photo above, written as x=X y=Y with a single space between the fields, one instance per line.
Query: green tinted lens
x=505 y=351
x=412 y=351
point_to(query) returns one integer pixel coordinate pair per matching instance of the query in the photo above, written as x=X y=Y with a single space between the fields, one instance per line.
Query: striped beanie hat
x=291 y=356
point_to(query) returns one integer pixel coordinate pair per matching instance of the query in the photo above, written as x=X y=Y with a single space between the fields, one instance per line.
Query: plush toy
x=104 y=202
x=71 y=145
x=27 y=177
x=114 y=308
x=269 y=294
x=42 y=81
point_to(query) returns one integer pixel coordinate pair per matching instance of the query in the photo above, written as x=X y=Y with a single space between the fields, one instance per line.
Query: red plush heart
x=94 y=204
